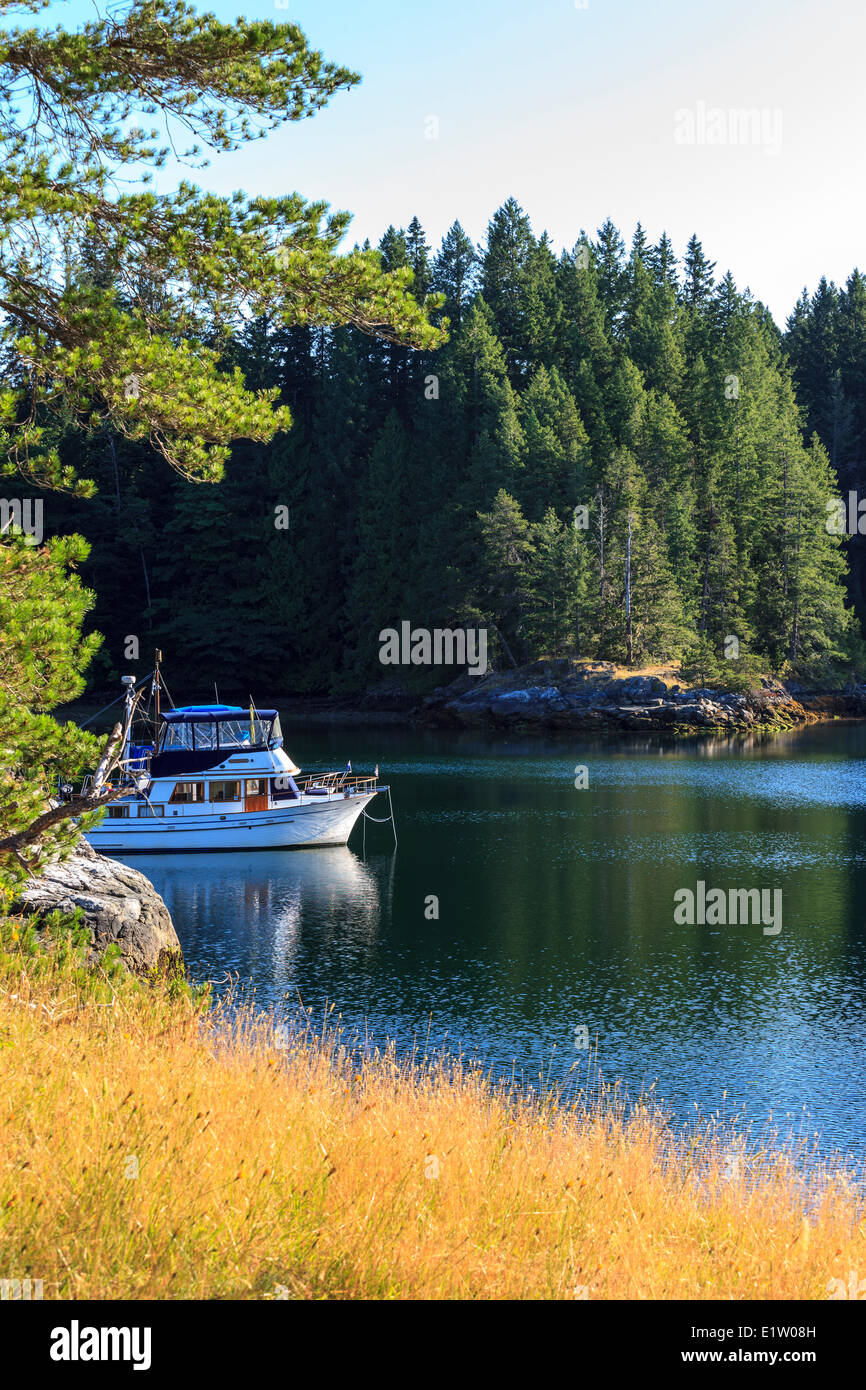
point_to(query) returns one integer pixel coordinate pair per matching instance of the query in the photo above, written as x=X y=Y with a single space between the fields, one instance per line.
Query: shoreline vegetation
x=156 y=1147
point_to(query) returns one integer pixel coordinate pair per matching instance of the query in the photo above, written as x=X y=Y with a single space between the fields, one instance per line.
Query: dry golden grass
x=146 y=1153
x=671 y=672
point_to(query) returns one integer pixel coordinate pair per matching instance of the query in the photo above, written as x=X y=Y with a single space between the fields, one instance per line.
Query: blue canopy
x=197 y=713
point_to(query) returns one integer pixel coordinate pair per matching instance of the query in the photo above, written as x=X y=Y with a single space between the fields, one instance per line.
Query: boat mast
x=157 y=658
x=129 y=682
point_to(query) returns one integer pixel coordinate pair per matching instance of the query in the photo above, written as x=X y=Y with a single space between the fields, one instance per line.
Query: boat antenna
x=216 y=692
x=85 y=722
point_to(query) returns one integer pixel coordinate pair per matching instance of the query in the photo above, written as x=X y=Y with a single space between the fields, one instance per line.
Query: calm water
x=556 y=912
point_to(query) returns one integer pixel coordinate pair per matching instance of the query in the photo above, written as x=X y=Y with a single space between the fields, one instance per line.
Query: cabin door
x=256 y=794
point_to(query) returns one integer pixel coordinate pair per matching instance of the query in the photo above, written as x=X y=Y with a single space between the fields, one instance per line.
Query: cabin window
x=117 y=812
x=205 y=735
x=234 y=733
x=257 y=786
x=225 y=791
x=177 y=736
x=244 y=733
x=188 y=791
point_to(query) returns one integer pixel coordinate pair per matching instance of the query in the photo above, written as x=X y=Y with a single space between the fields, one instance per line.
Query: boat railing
x=334 y=782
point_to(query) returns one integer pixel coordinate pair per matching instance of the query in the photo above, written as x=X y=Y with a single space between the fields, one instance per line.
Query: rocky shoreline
x=566 y=694
x=560 y=695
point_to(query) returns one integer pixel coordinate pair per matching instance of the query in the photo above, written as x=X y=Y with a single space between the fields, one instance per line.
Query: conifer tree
x=507 y=552
x=558 y=584
x=419 y=259
x=455 y=273
x=585 y=349
x=481 y=416
x=609 y=253
x=662 y=261
x=517 y=282
x=557 y=457
x=697 y=275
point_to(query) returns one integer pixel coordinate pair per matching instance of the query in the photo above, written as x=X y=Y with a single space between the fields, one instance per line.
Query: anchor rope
x=377 y=820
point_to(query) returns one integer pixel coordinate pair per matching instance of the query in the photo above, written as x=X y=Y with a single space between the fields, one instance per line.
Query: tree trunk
x=629 y=645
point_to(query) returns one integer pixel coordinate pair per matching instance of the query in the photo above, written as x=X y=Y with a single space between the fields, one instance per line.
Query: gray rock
x=636 y=690
x=537 y=695
x=119 y=905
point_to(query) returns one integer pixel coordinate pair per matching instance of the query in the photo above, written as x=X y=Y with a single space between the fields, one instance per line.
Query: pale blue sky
x=574 y=113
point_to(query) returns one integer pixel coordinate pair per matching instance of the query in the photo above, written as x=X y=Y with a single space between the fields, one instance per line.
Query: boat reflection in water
x=264 y=915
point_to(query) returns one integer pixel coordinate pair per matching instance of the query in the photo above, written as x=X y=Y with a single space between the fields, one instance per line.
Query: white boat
x=217 y=777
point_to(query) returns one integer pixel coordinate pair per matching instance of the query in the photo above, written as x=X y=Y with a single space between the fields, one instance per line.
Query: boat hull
x=297 y=827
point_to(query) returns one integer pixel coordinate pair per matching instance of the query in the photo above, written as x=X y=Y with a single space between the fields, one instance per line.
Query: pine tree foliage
x=140 y=344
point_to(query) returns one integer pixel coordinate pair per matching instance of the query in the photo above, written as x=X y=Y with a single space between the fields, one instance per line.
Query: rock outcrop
x=119 y=905
x=847 y=703
x=564 y=695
